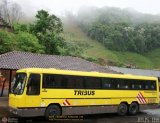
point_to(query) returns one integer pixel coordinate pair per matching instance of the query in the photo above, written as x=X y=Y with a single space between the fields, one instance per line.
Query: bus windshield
x=18 y=83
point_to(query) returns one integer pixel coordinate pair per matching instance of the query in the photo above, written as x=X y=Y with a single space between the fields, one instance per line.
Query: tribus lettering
x=85 y=92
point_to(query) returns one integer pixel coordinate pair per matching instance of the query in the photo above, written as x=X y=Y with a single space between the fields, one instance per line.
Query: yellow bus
x=52 y=92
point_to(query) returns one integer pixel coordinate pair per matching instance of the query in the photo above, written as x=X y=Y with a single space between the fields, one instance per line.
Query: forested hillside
x=115 y=36
x=121 y=30
x=107 y=36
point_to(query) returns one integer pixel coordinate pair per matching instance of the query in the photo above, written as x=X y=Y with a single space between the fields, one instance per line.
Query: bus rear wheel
x=52 y=111
x=122 y=109
x=133 y=108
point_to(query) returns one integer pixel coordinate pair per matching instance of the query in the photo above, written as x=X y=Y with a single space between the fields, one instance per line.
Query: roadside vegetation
x=107 y=36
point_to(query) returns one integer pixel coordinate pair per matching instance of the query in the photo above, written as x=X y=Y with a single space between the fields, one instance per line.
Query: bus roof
x=82 y=73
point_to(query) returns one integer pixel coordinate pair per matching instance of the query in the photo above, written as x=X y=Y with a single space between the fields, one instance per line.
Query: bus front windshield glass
x=18 y=83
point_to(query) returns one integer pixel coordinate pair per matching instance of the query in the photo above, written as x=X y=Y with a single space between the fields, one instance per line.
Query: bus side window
x=113 y=83
x=137 y=84
x=152 y=85
x=51 y=82
x=79 y=82
x=97 y=83
x=92 y=83
x=108 y=83
x=70 y=81
x=59 y=81
x=122 y=84
x=33 y=87
x=48 y=81
x=146 y=86
x=117 y=83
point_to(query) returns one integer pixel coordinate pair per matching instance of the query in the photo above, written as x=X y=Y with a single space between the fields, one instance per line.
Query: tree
x=7 y=42
x=22 y=41
x=46 y=23
x=20 y=28
x=10 y=12
x=47 y=29
x=28 y=42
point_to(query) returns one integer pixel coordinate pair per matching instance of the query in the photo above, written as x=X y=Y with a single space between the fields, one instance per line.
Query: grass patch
x=154 y=56
x=138 y=60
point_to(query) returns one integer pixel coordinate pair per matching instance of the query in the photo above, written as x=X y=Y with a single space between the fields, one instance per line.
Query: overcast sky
x=59 y=6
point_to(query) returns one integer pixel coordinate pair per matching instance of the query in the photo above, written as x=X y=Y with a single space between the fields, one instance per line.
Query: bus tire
x=133 y=108
x=122 y=109
x=52 y=111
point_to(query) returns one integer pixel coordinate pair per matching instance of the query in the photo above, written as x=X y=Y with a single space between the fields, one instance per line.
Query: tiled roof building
x=17 y=60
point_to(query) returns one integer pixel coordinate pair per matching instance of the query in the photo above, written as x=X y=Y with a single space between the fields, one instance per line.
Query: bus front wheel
x=122 y=109
x=52 y=111
x=133 y=108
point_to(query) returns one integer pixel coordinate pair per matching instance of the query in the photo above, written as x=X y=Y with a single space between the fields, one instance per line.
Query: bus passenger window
x=79 y=82
x=118 y=86
x=122 y=84
x=146 y=87
x=92 y=83
x=132 y=86
x=70 y=81
x=48 y=81
x=53 y=81
x=152 y=85
x=59 y=81
x=108 y=83
x=137 y=85
x=33 y=87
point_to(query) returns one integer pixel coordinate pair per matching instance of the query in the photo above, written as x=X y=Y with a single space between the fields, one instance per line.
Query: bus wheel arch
x=122 y=108
x=133 y=108
x=53 y=109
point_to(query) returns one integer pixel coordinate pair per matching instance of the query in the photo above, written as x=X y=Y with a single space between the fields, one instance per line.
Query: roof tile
x=17 y=60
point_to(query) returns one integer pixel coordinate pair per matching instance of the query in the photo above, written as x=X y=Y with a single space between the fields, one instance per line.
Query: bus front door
x=33 y=91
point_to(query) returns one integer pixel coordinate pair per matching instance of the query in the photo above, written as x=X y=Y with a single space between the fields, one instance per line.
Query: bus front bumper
x=27 y=112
